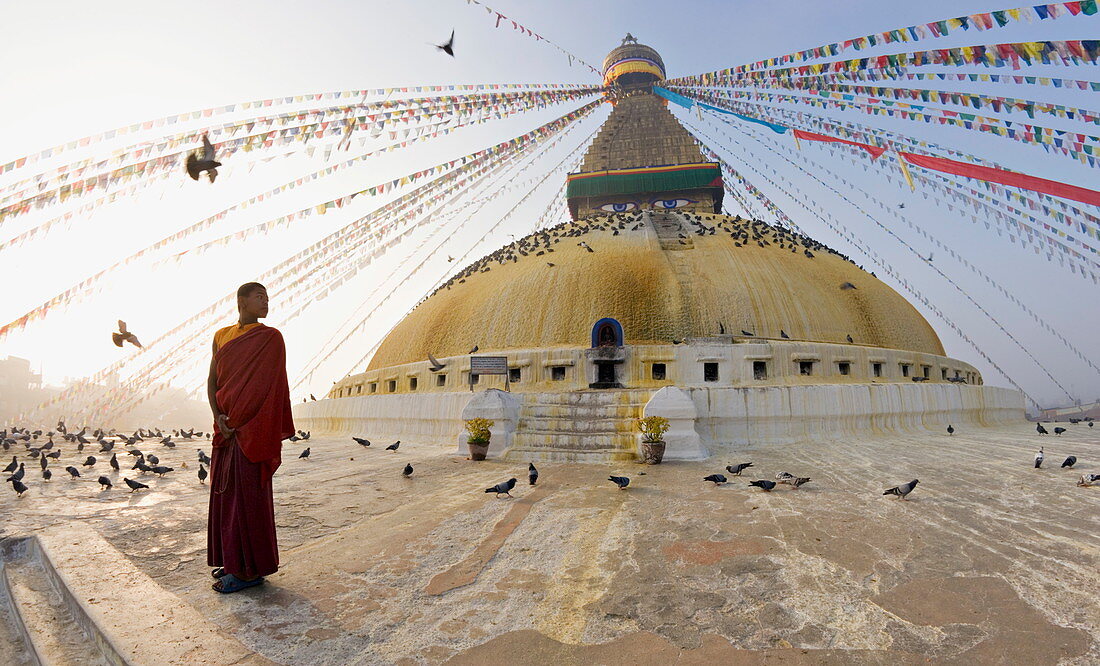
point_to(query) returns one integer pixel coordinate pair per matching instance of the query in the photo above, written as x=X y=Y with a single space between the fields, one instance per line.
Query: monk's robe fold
x=253 y=391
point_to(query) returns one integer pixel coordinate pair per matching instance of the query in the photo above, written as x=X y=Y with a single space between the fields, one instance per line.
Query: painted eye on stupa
x=619 y=207
x=671 y=203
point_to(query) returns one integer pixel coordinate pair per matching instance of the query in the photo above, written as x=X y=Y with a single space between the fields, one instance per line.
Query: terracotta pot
x=653 y=452
x=478 y=450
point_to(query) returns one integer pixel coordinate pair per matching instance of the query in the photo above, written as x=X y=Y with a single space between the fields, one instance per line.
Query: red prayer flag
x=1011 y=178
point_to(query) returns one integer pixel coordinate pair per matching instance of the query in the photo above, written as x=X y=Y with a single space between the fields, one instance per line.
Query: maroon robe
x=253 y=391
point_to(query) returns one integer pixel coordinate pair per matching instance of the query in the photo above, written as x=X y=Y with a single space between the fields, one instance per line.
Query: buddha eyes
x=661 y=204
x=619 y=207
x=671 y=203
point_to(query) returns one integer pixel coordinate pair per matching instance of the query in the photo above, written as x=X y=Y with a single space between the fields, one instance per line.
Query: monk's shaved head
x=246 y=289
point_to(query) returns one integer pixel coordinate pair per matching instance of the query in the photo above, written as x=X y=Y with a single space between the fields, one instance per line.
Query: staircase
x=579 y=426
x=67 y=597
x=45 y=629
x=670 y=227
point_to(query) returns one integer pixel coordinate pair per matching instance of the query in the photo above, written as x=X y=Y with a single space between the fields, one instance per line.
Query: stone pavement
x=989 y=561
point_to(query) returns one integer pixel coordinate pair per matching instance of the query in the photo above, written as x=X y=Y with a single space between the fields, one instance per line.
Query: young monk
x=250 y=398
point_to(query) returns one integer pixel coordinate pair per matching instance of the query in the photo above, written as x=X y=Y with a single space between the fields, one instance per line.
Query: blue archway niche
x=603 y=331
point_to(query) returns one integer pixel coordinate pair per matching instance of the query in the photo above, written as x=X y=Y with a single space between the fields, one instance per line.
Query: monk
x=250 y=398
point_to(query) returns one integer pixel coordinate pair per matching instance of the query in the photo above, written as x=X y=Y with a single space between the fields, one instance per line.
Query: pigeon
x=54 y=454
x=783 y=477
x=717 y=479
x=436 y=365
x=142 y=467
x=738 y=468
x=449 y=47
x=393 y=447
x=207 y=163
x=620 y=481
x=42 y=461
x=304 y=454
x=902 y=490
x=202 y=474
x=764 y=484
x=1090 y=424
x=1040 y=429
x=18 y=487
x=114 y=461
x=203 y=458
x=1070 y=461
x=18 y=476
x=167 y=440
x=474 y=350
x=73 y=472
x=744 y=332
x=532 y=474
x=12 y=466
x=1039 y=458
x=1088 y=479
x=796 y=481
x=105 y=483
x=90 y=462
x=293 y=438
x=407 y=472
x=153 y=459
x=160 y=470
x=134 y=485
x=1059 y=430
x=849 y=338
x=312 y=398
x=105 y=446
x=503 y=488
x=950 y=429
x=47 y=474
x=124 y=335
x=783 y=334
x=304 y=435
x=362 y=441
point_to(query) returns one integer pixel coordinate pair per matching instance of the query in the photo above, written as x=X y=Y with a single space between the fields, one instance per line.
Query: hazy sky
x=68 y=69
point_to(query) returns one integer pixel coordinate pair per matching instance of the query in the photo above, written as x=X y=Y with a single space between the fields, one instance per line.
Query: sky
x=70 y=69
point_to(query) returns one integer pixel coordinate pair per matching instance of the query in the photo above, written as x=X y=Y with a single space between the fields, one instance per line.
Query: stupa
x=651 y=302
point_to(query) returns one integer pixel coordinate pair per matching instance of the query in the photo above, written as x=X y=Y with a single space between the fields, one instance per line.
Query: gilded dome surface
x=714 y=271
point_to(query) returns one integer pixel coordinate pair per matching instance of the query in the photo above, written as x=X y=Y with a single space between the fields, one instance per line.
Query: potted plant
x=653 y=447
x=478 y=441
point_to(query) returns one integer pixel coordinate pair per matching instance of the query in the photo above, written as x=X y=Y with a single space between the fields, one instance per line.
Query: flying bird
x=1070 y=461
x=105 y=483
x=532 y=473
x=134 y=485
x=407 y=472
x=124 y=335
x=902 y=490
x=436 y=366
x=717 y=479
x=738 y=468
x=503 y=488
x=196 y=165
x=620 y=481
x=449 y=47
x=763 y=484
x=393 y=447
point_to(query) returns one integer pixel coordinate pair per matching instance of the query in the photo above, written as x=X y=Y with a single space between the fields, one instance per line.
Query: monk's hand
x=223 y=426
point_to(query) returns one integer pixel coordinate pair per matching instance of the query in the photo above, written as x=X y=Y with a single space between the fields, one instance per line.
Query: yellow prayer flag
x=905 y=172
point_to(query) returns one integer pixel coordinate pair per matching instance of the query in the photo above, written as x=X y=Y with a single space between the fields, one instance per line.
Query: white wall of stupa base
x=598 y=425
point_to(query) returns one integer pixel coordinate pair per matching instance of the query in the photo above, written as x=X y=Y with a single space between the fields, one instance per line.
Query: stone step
x=50 y=632
x=610 y=426
x=579 y=412
x=584 y=398
x=524 y=454
x=563 y=440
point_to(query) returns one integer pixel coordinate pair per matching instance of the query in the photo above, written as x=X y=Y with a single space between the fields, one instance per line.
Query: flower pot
x=653 y=452
x=478 y=450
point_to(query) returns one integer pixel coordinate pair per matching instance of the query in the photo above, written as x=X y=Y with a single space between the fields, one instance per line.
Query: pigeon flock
x=106 y=471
